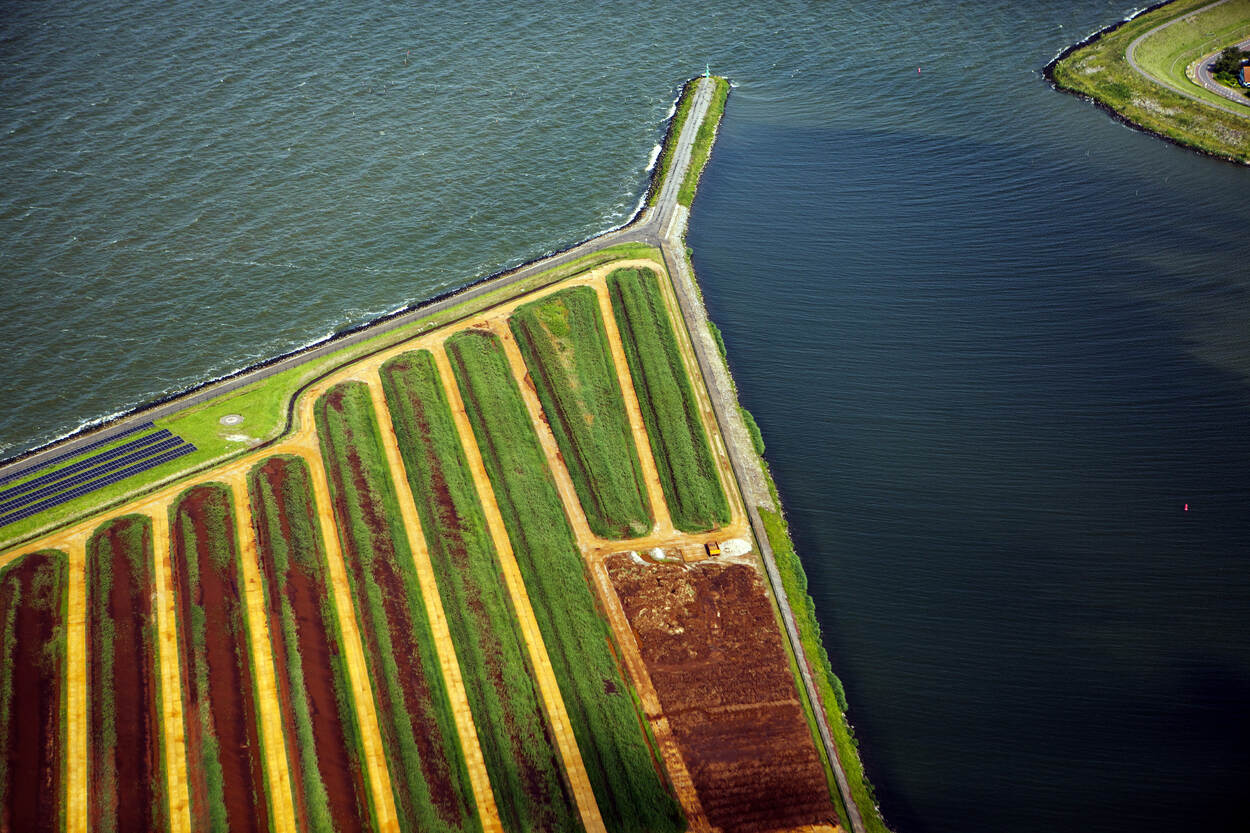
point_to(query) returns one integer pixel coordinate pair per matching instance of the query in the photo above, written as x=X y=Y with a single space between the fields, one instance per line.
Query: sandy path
x=683 y=785
x=277 y=771
x=171 y=682
x=77 y=727
x=474 y=761
x=376 y=772
x=548 y=687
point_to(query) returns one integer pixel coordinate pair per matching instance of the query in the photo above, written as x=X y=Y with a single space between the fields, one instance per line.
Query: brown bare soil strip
x=126 y=776
x=329 y=768
x=32 y=659
x=224 y=751
x=710 y=641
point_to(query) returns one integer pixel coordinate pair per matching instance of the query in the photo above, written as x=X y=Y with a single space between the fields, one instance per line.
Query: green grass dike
x=1100 y=69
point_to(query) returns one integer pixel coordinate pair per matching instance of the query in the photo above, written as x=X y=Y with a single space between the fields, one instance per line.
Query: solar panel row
x=86 y=488
x=90 y=474
x=14 y=475
x=74 y=468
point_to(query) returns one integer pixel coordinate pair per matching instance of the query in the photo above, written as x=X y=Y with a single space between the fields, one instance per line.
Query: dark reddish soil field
x=32 y=650
x=217 y=680
x=126 y=779
x=398 y=649
x=711 y=643
x=300 y=606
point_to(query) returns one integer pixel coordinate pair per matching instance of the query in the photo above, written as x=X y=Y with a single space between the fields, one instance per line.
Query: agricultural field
x=127 y=784
x=708 y=637
x=513 y=731
x=692 y=486
x=224 y=767
x=565 y=347
x=398 y=615
x=325 y=757
x=32 y=650
x=428 y=773
x=630 y=792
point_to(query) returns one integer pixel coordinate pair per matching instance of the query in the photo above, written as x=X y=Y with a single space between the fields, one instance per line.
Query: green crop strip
x=566 y=350
x=601 y=708
x=703 y=141
x=679 y=444
x=32 y=647
x=291 y=550
x=512 y=730
x=392 y=619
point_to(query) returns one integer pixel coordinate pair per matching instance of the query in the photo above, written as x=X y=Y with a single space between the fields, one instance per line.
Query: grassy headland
x=1100 y=70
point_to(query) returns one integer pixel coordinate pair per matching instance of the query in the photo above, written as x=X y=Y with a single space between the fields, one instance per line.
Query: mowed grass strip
x=428 y=774
x=512 y=729
x=32 y=689
x=566 y=350
x=622 y=767
x=224 y=766
x=324 y=747
x=126 y=775
x=683 y=457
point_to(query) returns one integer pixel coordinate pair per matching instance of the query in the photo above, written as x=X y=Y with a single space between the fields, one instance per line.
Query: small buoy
x=1186 y=507
x=917 y=70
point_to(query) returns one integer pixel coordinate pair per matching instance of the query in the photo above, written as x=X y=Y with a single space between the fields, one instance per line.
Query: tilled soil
x=712 y=646
x=303 y=586
x=33 y=663
x=126 y=778
x=219 y=653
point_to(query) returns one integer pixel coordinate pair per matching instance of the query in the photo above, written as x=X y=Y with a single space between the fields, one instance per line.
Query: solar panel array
x=14 y=475
x=107 y=479
x=103 y=456
x=83 y=477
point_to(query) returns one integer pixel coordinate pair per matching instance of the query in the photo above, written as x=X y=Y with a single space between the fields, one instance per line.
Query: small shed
x=1245 y=76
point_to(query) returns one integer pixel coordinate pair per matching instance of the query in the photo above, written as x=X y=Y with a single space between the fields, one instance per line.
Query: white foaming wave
x=653 y=158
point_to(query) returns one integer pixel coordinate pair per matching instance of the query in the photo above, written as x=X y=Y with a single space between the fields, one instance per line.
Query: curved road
x=1202 y=74
x=1132 y=61
x=662 y=225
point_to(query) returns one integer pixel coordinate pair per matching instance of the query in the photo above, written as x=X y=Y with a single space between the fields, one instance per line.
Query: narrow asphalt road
x=1130 y=54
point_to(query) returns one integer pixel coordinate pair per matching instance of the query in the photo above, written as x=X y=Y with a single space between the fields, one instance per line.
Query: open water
x=996 y=341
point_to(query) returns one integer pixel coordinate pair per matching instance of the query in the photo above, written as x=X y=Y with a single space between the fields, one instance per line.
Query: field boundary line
x=633 y=409
x=548 y=686
x=276 y=763
x=174 y=735
x=376 y=772
x=475 y=763
x=77 y=672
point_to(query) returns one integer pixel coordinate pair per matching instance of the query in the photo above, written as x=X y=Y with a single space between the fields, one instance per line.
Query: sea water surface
x=997 y=342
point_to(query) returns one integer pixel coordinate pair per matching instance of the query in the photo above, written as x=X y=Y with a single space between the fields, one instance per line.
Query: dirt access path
x=77 y=819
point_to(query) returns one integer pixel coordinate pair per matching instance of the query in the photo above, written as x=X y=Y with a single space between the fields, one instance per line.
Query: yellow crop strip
x=548 y=687
x=77 y=726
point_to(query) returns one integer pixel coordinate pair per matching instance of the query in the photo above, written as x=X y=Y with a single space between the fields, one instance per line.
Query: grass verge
x=428 y=774
x=566 y=350
x=679 y=443
x=1100 y=70
x=606 y=722
x=512 y=729
x=665 y=162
